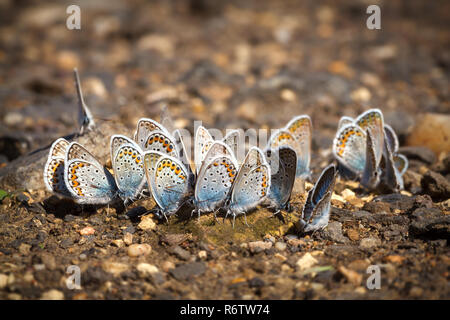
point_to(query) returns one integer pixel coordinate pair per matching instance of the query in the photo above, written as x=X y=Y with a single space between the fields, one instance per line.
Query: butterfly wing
x=316 y=211
x=252 y=182
x=183 y=155
x=202 y=142
x=301 y=129
x=231 y=140
x=89 y=183
x=214 y=182
x=283 y=164
x=146 y=126
x=169 y=184
x=127 y=163
x=391 y=176
x=166 y=120
x=54 y=168
x=349 y=148
x=324 y=184
x=77 y=151
x=373 y=119
x=161 y=141
x=401 y=163
x=391 y=137
x=371 y=174
x=320 y=215
x=345 y=121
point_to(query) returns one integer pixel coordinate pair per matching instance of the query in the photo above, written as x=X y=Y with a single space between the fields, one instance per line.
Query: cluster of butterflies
x=156 y=161
x=367 y=148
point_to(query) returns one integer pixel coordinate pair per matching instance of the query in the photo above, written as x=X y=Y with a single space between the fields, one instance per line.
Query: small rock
x=87 y=231
x=369 y=243
x=167 y=266
x=394 y=259
x=416 y=292
x=436 y=185
x=306 y=261
x=256 y=283
x=24 y=249
x=115 y=268
x=430 y=222
x=181 y=253
x=48 y=260
x=280 y=246
x=119 y=243
x=3 y=280
x=377 y=207
x=431 y=131
x=52 y=295
x=353 y=234
x=128 y=238
x=420 y=153
x=188 y=270
x=202 y=254
x=259 y=246
x=173 y=239
x=334 y=230
x=352 y=276
x=136 y=250
x=146 y=269
x=147 y=224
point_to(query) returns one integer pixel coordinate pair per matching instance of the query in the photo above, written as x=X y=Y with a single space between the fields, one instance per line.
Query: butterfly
x=144 y=128
x=395 y=165
x=283 y=163
x=215 y=178
x=88 y=181
x=251 y=185
x=85 y=118
x=127 y=163
x=202 y=142
x=54 y=168
x=297 y=135
x=358 y=146
x=169 y=182
x=316 y=212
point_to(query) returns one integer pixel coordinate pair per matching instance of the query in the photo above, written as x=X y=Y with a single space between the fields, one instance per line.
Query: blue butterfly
x=283 y=162
x=358 y=146
x=88 y=181
x=215 y=177
x=169 y=182
x=54 y=168
x=127 y=163
x=395 y=165
x=316 y=212
x=251 y=185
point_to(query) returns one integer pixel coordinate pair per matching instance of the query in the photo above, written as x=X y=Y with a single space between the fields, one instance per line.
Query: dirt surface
x=252 y=64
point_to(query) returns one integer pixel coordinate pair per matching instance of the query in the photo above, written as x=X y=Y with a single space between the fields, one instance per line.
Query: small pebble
x=87 y=231
x=52 y=295
x=146 y=269
x=202 y=254
x=259 y=246
x=128 y=238
x=280 y=246
x=167 y=265
x=136 y=250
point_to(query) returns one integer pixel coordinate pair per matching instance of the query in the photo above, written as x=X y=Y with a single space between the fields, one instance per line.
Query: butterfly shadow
x=60 y=207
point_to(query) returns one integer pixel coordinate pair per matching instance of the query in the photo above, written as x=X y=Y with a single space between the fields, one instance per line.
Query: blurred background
x=231 y=64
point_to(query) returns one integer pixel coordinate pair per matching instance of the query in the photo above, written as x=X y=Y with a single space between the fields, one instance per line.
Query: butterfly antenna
x=85 y=117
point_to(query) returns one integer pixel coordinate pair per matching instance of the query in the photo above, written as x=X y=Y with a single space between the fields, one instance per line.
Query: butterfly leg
x=234 y=218
x=245 y=219
x=215 y=214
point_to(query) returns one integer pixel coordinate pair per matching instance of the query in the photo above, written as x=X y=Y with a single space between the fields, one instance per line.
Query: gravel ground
x=251 y=64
